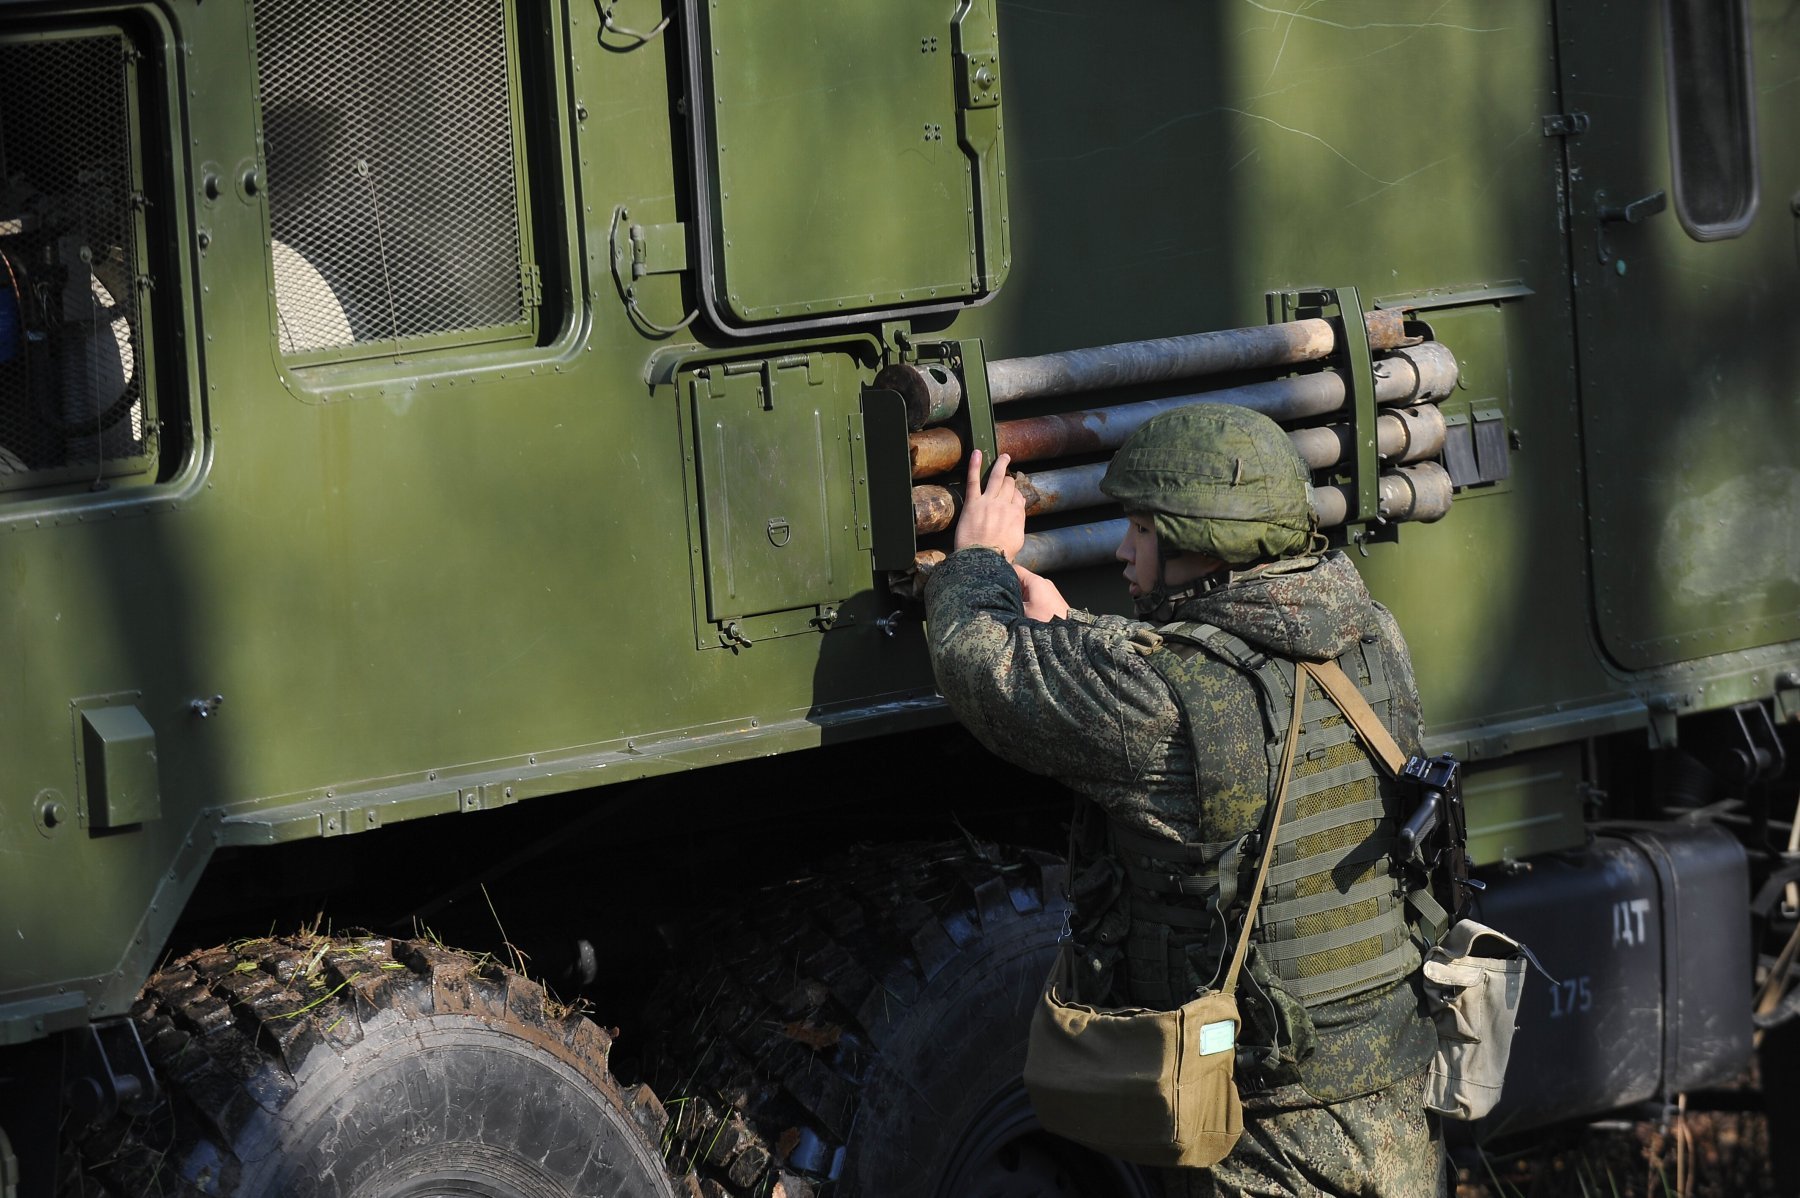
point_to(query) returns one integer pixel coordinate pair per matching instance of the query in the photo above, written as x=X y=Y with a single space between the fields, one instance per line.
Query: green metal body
x=441 y=577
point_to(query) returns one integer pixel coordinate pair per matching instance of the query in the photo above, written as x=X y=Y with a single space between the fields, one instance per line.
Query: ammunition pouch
x=1473 y=984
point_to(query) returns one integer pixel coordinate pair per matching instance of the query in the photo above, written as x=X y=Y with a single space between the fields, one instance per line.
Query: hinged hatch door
x=848 y=159
x=772 y=438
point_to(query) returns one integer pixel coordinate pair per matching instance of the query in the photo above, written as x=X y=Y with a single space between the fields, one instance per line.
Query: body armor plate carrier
x=1333 y=923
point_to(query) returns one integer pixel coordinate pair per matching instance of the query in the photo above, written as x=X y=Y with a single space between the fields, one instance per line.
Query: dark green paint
x=472 y=574
x=1695 y=501
x=115 y=762
x=902 y=99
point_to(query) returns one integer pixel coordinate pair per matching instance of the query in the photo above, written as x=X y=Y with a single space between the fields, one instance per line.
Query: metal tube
x=1404 y=435
x=1420 y=492
x=1068 y=489
x=1071 y=548
x=1129 y=363
x=1424 y=373
x=931 y=392
x=934 y=508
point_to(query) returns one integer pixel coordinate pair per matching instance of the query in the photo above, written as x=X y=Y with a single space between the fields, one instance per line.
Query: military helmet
x=1216 y=479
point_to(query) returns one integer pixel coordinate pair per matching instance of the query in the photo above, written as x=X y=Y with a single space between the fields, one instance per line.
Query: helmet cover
x=1216 y=479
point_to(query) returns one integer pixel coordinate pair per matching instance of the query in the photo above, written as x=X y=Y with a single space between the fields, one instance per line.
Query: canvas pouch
x=1150 y=1087
x=1474 y=980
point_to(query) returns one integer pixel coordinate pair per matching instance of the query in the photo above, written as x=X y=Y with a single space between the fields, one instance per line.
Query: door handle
x=1634 y=212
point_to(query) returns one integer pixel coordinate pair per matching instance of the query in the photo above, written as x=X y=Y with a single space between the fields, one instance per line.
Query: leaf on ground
x=813 y=1037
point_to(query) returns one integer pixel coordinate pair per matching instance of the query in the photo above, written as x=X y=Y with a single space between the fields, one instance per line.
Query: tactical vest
x=1333 y=922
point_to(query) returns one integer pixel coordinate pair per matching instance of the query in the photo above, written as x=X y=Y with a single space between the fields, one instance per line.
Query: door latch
x=1634 y=212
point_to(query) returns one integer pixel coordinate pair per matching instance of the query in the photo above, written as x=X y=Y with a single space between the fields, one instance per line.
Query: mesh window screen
x=73 y=397
x=393 y=186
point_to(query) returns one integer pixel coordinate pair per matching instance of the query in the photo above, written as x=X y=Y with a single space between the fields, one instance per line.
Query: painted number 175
x=1570 y=996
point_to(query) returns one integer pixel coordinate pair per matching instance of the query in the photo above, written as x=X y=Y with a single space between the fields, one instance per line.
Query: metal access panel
x=849 y=157
x=775 y=448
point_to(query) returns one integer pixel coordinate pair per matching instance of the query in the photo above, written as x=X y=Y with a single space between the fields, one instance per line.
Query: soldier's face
x=1139 y=550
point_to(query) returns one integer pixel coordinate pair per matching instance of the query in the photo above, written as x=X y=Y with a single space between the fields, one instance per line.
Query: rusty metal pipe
x=1421 y=374
x=1129 y=363
x=1416 y=493
x=930 y=391
x=1404 y=435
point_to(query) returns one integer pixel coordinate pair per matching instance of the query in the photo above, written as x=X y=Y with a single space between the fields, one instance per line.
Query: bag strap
x=1356 y=709
x=1433 y=918
x=1262 y=870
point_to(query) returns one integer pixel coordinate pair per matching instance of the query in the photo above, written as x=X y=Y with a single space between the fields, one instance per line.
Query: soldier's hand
x=1042 y=600
x=993 y=517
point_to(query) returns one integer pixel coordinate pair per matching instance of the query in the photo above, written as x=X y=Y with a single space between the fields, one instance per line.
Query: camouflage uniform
x=1336 y=1107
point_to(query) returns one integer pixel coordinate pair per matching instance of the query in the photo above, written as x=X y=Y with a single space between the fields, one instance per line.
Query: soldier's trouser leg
x=1382 y=1145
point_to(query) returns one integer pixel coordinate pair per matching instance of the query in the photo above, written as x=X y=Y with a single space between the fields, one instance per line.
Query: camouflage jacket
x=1076 y=699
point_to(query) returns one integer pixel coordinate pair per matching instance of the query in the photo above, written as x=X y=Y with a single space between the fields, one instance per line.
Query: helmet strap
x=1160 y=601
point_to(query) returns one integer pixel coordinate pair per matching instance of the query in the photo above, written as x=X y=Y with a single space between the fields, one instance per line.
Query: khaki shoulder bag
x=1151 y=1087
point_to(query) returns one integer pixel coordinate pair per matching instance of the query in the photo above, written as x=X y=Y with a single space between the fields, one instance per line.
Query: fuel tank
x=1645 y=987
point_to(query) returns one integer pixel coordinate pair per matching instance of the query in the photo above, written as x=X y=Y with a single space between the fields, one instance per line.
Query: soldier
x=1165 y=730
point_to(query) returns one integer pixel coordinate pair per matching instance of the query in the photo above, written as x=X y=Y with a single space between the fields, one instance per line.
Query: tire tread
x=803 y=988
x=229 y=1028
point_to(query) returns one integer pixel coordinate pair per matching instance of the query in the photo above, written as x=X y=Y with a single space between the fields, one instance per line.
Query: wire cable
x=607 y=23
x=628 y=291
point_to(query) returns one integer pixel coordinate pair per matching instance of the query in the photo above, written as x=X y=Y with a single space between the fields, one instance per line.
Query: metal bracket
x=1344 y=304
x=1565 y=124
x=980 y=79
x=1665 y=719
x=1746 y=748
x=658 y=250
x=890 y=511
x=634 y=255
x=1787 y=696
x=111 y=1073
x=897 y=342
x=979 y=409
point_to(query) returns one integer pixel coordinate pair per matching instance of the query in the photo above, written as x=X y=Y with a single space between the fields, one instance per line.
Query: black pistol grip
x=1422 y=823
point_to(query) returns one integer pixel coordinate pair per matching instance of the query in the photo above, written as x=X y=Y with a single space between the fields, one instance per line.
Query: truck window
x=1712 y=116
x=395 y=181
x=76 y=402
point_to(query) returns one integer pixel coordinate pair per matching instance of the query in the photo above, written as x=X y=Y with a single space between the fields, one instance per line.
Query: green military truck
x=497 y=410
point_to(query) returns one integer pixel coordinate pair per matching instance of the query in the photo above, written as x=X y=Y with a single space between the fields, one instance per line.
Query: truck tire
x=867 y=1028
x=368 y=1068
